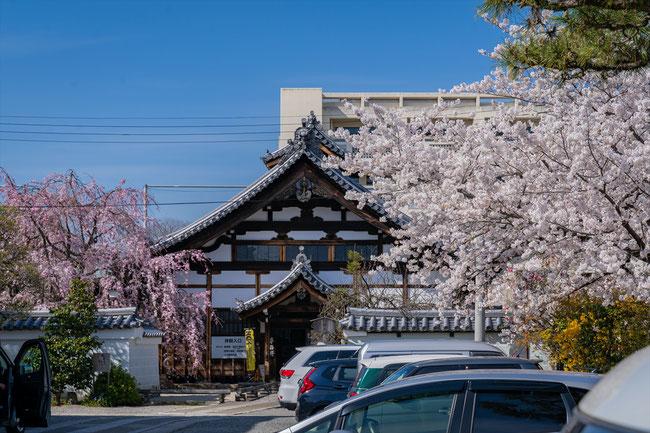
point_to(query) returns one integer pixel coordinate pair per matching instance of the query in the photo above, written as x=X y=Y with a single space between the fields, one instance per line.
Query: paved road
x=259 y=416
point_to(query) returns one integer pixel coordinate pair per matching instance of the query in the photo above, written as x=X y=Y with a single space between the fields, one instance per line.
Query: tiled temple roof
x=110 y=318
x=301 y=268
x=307 y=141
x=376 y=320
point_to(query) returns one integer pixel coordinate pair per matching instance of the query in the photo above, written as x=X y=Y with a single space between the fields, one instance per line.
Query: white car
x=297 y=367
x=620 y=403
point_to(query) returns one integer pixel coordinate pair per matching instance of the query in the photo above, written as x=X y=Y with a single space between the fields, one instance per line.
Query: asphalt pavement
x=263 y=415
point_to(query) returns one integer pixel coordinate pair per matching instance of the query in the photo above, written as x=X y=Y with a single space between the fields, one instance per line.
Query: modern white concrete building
x=329 y=107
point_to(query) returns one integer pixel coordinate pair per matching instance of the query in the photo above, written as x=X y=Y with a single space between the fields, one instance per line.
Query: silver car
x=298 y=366
x=478 y=401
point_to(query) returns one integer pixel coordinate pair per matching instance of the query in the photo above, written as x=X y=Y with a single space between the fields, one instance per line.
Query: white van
x=373 y=349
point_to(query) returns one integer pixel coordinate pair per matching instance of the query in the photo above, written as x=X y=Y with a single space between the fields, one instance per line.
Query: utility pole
x=479 y=321
x=144 y=222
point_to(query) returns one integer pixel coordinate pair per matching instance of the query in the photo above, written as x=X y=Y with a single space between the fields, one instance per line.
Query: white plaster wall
x=117 y=342
x=143 y=356
x=286 y=214
x=274 y=277
x=190 y=277
x=335 y=277
x=260 y=215
x=490 y=337
x=257 y=236
x=306 y=236
x=221 y=254
x=351 y=216
x=227 y=298
x=233 y=277
x=358 y=236
x=327 y=214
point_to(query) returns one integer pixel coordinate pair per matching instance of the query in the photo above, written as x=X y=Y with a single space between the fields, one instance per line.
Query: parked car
x=299 y=365
x=470 y=401
x=373 y=371
x=326 y=383
x=462 y=363
x=620 y=403
x=26 y=391
x=373 y=349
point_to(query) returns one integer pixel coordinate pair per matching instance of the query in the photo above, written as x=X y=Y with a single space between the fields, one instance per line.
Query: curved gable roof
x=307 y=142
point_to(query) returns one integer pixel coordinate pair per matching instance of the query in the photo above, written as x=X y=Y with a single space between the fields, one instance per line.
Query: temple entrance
x=285 y=341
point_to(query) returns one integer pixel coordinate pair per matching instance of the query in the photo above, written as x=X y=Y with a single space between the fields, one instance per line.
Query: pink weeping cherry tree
x=76 y=229
x=548 y=198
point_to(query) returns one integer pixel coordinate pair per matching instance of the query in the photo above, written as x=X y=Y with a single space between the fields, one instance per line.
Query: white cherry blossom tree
x=519 y=212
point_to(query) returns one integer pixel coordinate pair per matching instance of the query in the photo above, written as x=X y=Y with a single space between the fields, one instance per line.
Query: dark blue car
x=326 y=382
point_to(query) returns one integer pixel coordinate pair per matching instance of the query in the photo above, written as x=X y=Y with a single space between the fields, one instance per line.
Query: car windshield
x=369 y=378
x=399 y=374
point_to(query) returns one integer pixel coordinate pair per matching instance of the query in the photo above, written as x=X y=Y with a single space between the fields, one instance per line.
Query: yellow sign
x=250 y=350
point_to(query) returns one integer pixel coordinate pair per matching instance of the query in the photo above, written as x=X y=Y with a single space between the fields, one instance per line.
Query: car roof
x=383 y=361
x=465 y=360
x=572 y=379
x=428 y=344
x=320 y=347
x=327 y=362
x=569 y=378
x=622 y=398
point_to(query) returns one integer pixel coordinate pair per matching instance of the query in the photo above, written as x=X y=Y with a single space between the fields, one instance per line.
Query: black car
x=464 y=363
x=25 y=388
x=326 y=382
x=476 y=401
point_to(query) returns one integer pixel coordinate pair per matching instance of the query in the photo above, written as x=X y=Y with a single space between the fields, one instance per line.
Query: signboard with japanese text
x=229 y=347
x=250 y=349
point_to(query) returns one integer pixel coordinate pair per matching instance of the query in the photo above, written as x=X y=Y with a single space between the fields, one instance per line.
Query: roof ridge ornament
x=301 y=259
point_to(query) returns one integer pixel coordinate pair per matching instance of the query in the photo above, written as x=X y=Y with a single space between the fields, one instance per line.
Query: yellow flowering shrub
x=586 y=335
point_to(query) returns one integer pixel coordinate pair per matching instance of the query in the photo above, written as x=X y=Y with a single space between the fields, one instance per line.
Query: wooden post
x=258 y=283
x=267 y=348
x=208 y=328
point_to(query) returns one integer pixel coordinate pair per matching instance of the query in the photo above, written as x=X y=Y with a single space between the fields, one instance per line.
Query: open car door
x=32 y=391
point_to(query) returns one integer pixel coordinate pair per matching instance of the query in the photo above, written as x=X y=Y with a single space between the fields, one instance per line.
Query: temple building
x=278 y=248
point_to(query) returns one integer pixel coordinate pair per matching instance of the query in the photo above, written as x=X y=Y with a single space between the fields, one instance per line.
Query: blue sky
x=206 y=59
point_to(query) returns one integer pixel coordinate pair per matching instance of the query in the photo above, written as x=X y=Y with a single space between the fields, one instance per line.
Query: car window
x=388 y=370
x=347 y=374
x=370 y=378
x=438 y=368
x=577 y=393
x=493 y=366
x=399 y=374
x=30 y=362
x=324 y=425
x=410 y=414
x=519 y=411
x=321 y=356
x=328 y=372
x=345 y=354
x=486 y=353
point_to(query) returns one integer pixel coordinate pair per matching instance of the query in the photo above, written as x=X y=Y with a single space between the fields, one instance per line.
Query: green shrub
x=121 y=391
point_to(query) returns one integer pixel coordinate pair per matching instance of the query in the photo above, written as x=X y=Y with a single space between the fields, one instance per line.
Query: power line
x=58 y=125
x=13 y=116
x=63 y=206
x=133 y=142
x=142 y=133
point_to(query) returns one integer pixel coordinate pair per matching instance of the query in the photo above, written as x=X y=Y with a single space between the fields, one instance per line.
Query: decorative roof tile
x=109 y=318
x=307 y=141
x=301 y=268
x=379 y=320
